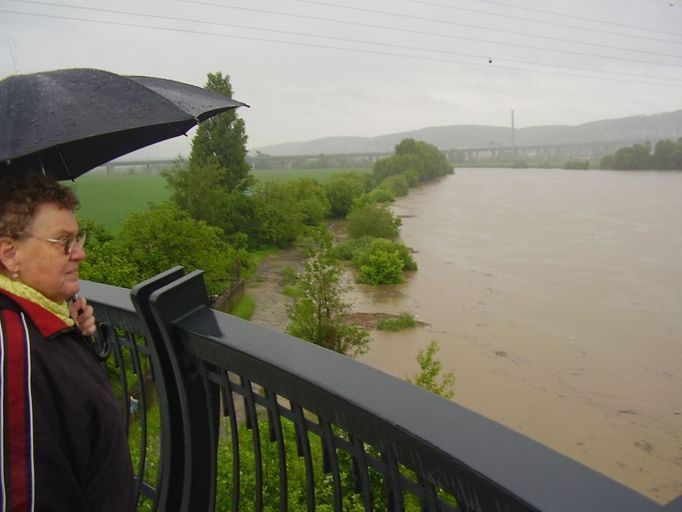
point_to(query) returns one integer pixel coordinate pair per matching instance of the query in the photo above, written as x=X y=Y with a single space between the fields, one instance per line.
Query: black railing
x=226 y=415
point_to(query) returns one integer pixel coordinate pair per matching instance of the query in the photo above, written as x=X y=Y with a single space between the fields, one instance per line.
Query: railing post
x=196 y=407
x=172 y=463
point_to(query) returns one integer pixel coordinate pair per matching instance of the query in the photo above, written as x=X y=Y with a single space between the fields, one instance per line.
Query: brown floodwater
x=556 y=296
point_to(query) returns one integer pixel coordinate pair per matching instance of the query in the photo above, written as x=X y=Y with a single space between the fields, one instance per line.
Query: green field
x=108 y=200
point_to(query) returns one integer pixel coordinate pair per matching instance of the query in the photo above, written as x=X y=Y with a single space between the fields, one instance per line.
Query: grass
x=244 y=307
x=404 y=320
x=108 y=200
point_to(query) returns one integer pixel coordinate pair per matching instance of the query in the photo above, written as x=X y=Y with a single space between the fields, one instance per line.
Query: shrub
x=382 y=267
x=429 y=376
x=404 y=320
x=397 y=184
x=366 y=248
x=577 y=164
x=350 y=249
x=373 y=220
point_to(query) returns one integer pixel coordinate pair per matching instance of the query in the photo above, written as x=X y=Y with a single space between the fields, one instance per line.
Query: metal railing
x=226 y=415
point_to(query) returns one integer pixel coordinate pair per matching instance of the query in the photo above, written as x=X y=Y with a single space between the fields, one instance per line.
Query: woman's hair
x=20 y=197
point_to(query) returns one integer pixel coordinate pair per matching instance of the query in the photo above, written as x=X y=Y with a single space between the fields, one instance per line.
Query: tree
x=318 y=314
x=278 y=215
x=221 y=140
x=429 y=376
x=413 y=156
x=633 y=157
x=343 y=189
x=311 y=198
x=158 y=239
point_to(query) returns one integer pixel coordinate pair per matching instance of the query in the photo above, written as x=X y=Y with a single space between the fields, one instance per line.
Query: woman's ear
x=8 y=255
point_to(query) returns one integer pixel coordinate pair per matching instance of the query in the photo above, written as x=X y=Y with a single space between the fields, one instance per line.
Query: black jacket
x=62 y=439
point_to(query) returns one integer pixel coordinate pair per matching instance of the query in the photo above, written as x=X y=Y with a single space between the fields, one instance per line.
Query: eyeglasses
x=69 y=242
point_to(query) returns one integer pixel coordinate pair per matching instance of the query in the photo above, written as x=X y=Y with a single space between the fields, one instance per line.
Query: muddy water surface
x=557 y=298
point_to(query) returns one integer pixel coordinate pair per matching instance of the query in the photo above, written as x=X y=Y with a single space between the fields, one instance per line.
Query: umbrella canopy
x=66 y=122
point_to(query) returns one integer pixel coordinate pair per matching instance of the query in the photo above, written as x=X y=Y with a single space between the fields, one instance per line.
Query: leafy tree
x=311 y=199
x=373 y=220
x=158 y=239
x=221 y=140
x=667 y=155
x=278 y=215
x=413 y=157
x=606 y=162
x=633 y=157
x=429 y=376
x=318 y=314
x=343 y=188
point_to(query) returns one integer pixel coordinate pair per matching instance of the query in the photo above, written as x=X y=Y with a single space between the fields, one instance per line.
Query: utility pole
x=513 y=134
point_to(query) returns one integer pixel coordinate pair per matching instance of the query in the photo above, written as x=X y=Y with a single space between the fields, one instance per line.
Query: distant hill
x=636 y=128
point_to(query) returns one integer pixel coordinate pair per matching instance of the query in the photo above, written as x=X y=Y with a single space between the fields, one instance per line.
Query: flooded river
x=556 y=296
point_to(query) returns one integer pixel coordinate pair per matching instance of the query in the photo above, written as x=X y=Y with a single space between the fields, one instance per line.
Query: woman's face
x=43 y=265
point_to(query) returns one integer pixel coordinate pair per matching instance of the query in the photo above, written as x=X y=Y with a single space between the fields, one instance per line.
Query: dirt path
x=266 y=289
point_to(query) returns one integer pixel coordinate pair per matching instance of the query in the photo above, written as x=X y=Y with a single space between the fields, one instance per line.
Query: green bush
x=373 y=220
x=397 y=184
x=367 y=247
x=411 y=176
x=403 y=321
x=577 y=164
x=382 y=267
x=350 y=249
x=378 y=195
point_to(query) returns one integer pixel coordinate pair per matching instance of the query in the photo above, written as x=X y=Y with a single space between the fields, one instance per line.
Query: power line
x=521 y=18
x=580 y=18
x=373 y=11
x=369 y=25
x=358 y=41
x=327 y=47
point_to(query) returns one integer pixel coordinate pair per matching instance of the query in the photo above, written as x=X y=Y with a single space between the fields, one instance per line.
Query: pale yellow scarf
x=19 y=289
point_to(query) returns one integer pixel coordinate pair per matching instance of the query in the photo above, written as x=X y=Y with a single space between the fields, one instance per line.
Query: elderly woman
x=62 y=439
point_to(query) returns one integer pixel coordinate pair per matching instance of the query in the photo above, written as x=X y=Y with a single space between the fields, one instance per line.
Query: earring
x=15 y=276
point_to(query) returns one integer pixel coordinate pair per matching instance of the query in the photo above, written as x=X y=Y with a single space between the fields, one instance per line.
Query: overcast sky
x=319 y=68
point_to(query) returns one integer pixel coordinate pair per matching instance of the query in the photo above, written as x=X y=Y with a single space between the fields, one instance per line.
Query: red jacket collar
x=47 y=322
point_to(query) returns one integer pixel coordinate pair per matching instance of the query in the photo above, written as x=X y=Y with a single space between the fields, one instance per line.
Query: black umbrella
x=66 y=122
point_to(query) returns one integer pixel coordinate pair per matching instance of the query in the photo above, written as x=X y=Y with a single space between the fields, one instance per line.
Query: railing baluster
x=302 y=434
x=141 y=408
x=331 y=462
x=252 y=415
x=360 y=468
x=276 y=433
x=394 y=494
x=213 y=422
x=429 y=500
x=228 y=402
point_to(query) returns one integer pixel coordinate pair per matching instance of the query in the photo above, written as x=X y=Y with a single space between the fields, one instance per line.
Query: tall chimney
x=513 y=134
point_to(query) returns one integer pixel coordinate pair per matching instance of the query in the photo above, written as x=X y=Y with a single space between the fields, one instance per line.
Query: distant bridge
x=585 y=150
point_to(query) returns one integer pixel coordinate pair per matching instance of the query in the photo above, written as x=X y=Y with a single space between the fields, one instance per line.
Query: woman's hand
x=83 y=315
